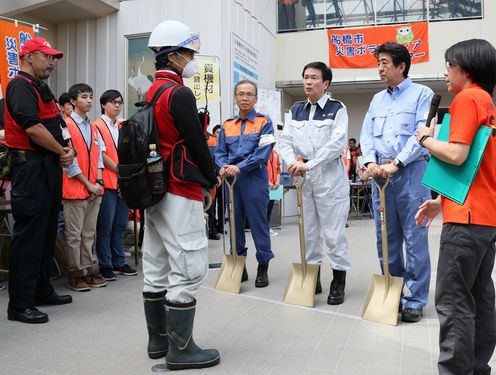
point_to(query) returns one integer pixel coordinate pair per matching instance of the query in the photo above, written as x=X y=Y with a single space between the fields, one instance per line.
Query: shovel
x=383 y=297
x=231 y=271
x=303 y=277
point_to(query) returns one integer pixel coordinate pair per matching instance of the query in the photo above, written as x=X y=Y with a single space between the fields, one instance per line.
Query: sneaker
x=78 y=284
x=95 y=281
x=108 y=274
x=411 y=315
x=125 y=270
x=273 y=232
x=127 y=254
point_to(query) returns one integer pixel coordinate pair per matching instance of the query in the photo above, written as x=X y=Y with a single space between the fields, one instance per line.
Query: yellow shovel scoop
x=303 y=277
x=383 y=297
x=231 y=271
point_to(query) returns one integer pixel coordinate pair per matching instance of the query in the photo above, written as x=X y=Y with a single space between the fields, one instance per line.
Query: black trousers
x=216 y=214
x=36 y=199
x=465 y=299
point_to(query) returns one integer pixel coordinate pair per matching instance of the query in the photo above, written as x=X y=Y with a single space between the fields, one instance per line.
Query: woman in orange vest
x=113 y=215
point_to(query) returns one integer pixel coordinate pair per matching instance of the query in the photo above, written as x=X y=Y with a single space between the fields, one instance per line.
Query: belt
x=382 y=161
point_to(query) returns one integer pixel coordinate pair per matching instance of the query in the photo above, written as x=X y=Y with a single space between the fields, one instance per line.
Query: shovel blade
x=231 y=271
x=300 y=289
x=382 y=302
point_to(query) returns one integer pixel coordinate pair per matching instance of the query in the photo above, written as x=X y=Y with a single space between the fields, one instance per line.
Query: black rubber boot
x=336 y=292
x=156 y=323
x=318 y=286
x=183 y=352
x=262 y=279
x=244 y=277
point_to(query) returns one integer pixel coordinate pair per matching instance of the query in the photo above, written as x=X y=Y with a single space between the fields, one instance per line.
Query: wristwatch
x=100 y=182
x=398 y=163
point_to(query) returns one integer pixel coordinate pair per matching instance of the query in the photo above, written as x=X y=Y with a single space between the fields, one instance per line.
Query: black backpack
x=135 y=136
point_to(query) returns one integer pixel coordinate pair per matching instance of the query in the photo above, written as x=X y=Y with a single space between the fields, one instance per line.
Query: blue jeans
x=110 y=229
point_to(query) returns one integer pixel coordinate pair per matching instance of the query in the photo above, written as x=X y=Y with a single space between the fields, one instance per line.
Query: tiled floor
x=103 y=331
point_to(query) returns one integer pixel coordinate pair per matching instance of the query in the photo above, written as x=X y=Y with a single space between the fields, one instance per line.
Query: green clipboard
x=450 y=180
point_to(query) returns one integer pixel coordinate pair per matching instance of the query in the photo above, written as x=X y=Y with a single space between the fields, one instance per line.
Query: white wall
x=96 y=49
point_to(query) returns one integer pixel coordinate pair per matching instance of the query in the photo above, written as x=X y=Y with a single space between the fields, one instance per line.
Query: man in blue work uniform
x=390 y=149
x=243 y=148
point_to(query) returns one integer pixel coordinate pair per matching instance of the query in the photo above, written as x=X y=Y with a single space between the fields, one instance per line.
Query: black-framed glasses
x=450 y=65
x=116 y=102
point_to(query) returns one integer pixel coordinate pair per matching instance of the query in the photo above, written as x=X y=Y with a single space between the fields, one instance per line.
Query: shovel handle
x=384 y=237
x=232 y=228
x=298 y=183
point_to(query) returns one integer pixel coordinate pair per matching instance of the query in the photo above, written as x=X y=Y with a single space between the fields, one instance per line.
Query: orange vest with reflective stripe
x=87 y=161
x=108 y=176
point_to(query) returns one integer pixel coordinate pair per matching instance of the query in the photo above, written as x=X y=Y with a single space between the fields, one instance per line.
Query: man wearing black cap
x=37 y=142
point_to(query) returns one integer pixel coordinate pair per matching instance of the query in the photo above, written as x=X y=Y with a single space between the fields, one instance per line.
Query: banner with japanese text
x=355 y=48
x=12 y=38
x=205 y=85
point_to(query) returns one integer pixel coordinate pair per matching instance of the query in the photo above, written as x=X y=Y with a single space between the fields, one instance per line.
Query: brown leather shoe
x=95 y=281
x=78 y=284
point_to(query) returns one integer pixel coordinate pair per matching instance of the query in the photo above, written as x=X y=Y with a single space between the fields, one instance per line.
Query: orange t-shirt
x=472 y=108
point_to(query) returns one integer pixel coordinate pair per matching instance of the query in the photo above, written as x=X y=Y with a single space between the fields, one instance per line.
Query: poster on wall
x=244 y=63
x=140 y=71
x=205 y=85
x=355 y=48
x=13 y=35
x=269 y=103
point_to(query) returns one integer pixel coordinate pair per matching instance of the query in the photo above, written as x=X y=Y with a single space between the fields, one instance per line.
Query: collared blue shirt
x=392 y=121
x=85 y=127
x=245 y=142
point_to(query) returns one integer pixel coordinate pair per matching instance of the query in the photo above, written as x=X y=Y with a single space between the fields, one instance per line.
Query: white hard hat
x=173 y=34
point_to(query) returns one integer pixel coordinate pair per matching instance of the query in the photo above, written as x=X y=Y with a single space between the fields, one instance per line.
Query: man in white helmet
x=175 y=260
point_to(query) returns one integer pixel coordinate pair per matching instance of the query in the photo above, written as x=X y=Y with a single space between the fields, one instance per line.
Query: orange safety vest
x=108 y=176
x=87 y=160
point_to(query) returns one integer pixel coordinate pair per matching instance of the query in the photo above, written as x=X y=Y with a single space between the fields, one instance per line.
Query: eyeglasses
x=248 y=95
x=116 y=102
x=450 y=65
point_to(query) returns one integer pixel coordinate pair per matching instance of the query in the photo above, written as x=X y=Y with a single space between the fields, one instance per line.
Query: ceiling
x=61 y=11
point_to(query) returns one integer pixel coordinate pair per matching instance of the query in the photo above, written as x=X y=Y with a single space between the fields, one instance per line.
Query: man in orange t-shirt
x=465 y=298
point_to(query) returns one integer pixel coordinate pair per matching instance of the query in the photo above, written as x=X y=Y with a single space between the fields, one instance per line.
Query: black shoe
x=125 y=270
x=411 y=315
x=32 y=316
x=213 y=236
x=156 y=324
x=54 y=299
x=245 y=275
x=336 y=291
x=318 y=286
x=108 y=274
x=262 y=279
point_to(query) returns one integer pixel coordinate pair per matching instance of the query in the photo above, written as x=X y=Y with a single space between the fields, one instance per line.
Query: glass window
x=392 y=11
x=453 y=9
x=296 y=15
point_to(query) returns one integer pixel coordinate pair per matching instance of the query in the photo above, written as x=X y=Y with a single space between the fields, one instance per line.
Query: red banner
x=12 y=38
x=355 y=48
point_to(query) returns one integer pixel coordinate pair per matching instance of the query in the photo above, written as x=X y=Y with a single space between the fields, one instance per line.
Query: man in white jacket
x=318 y=132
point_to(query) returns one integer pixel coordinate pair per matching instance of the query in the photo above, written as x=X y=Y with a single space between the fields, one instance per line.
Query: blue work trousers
x=404 y=195
x=251 y=198
x=111 y=227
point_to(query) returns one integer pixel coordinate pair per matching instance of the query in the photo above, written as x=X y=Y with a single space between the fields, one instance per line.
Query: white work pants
x=326 y=204
x=175 y=248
